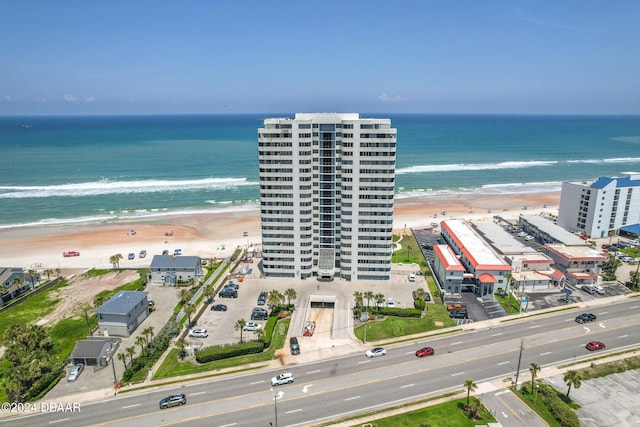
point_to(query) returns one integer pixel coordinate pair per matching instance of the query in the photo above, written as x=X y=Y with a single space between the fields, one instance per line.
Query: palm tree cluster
x=115 y=261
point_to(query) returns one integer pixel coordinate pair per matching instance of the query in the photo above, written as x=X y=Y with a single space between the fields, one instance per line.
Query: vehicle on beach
x=165 y=252
x=142 y=254
x=70 y=254
x=131 y=256
x=177 y=251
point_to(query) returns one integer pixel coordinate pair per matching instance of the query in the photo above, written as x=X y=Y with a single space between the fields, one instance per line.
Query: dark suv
x=293 y=344
x=173 y=400
x=262 y=299
x=586 y=317
x=228 y=293
x=259 y=313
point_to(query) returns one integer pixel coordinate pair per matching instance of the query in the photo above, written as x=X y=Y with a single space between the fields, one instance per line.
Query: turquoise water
x=101 y=169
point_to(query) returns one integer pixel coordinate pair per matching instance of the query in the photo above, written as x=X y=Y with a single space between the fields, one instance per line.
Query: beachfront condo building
x=327 y=184
x=603 y=206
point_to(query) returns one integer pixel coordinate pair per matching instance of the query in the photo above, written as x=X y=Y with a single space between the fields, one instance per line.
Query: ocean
x=100 y=169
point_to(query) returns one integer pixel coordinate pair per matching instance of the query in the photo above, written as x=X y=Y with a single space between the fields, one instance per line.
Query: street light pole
x=113 y=365
x=275 y=406
x=519 y=360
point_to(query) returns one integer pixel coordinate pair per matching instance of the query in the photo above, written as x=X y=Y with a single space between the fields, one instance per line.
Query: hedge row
x=218 y=352
x=399 y=312
x=560 y=410
x=419 y=304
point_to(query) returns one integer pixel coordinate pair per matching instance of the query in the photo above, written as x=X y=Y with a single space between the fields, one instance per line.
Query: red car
x=426 y=351
x=70 y=253
x=595 y=345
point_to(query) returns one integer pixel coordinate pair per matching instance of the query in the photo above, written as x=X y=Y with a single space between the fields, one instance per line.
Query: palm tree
x=421 y=294
x=141 y=341
x=572 y=378
x=31 y=274
x=58 y=271
x=148 y=332
x=181 y=344
x=275 y=298
x=123 y=357
x=184 y=295
x=48 y=272
x=209 y=292
x=358 y=298
x=534 y=368
x=511 y=282
x=369 y=295
x=469 y=385
x=239 y=325
x=18 y=282
x=379 y=299
x=290 y=294
x=189 y=309
x=130 y=351
x=115 y=261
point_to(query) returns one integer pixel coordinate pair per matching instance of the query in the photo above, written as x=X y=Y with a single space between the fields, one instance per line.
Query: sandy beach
x=216 y=235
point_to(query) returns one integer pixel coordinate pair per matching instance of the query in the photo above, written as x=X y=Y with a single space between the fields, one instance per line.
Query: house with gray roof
x=168 y=270
x=94 y=351
x=123 y=313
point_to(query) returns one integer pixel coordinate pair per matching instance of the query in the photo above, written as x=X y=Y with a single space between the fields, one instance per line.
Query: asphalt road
x=335 y=388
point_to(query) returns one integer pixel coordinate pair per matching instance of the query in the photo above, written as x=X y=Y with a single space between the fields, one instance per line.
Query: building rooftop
x=448 y=258
x=178 y=261
x=122 y=302
x=503 y=241
x=556 y=232
x=475 y=248
x=576 y=253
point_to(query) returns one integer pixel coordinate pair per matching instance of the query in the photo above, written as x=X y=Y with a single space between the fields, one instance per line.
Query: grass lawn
x=509 y=303
x=397 y=327
x=444 y=414
x=409 y=253
x=173 y=365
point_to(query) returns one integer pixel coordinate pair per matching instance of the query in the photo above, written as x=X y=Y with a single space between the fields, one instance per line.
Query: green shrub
x=560 y=410
x=399 y=312
x=218 y=352
x=419 y=304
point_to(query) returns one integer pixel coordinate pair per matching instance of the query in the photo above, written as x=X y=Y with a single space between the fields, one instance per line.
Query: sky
x=416 y=56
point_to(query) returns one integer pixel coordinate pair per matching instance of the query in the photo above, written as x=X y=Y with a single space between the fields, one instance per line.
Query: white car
x=252 y=326
x=281 y=379
x=198 y=333
x=375 y=352
x=528 y=237
x=599 y=289
x=412 y=277
x=390 y=303
x=75 y=372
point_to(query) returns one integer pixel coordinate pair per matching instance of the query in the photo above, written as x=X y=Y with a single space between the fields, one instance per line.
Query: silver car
x=75 y=372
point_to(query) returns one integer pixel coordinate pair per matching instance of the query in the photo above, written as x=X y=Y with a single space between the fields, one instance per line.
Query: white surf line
x=293 y=411
x=497 y=335
x=197 y=393
x=545 y=353
x=130 y=406
x=408 y=385
x=59 y=421
x=502 y=363
x=352 y=398
x=456 y=374
x=313 y=372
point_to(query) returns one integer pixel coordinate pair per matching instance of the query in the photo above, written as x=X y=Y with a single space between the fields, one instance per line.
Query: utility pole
x=519 y=360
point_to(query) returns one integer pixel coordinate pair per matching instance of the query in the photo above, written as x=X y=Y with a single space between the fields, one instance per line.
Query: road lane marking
x=545 y=353
x=197 y=393
x=502 y=363
x=364 y=361
x=456 y=374
x=228 y=425
x=58 y=421
x=313 y=372
x=410 y=352
x=293 y=411
x=501 y=392
x=534 y=326
x=256 y=382
x=408 y=385
x=504 y=415
x=352 y=398
x=497 y=335
x=623 y=336
x=587 y=330
x=602 y=325
x=635 y=306
x=456 y=343
x=130 y=406
x=604 y=312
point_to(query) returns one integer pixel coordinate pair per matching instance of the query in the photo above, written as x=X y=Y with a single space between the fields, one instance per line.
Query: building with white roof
x=487 y=269
x=448 y=269
x=580 y=265
x=546 y=231
x=600 y=207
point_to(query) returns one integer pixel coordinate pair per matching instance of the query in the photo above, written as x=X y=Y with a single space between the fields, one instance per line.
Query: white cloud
x=392 y=99
x=89 y=98
x=8 y=98
x=69 y=97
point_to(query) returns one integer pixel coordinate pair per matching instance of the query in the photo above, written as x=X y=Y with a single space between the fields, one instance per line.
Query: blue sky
x=423 y=56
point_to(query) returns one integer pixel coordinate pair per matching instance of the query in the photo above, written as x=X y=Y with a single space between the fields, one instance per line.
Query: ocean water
x=57 y=170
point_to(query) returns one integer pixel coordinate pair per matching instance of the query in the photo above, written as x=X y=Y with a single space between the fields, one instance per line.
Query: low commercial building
x=448 y=269
x=123 y=313
x=579 y=265
x=545 y=230
x=94 y=351
x=486 y=268
x=168 y=270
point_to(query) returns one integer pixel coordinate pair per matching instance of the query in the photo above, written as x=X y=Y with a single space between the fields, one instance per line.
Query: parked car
x=589 y=289
x=75 y=372
x=528 y=237
x=599 y=289
x=219 y=307
x=390 y=303
x=198 y=333
x=252 y=326
x=412 y=277
x=375 y=352
x=142 y=254
x=259 y=313
x=281 y=379
x=262 y=298
x=294 y=345
x=425 y=351
x=232 y=285
x=177 y=251
x=173 y=400
x=70 y=254
x=165 y=252
x=228 y=293
x=131 y=256
x=586 y=317
x=458 y=314
x=594 y=345
x=522 y=234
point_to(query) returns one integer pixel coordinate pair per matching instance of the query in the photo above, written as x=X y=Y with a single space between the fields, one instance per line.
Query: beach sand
x=216 y=235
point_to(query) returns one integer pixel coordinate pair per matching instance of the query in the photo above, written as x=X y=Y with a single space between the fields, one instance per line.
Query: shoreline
x=217 y=235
